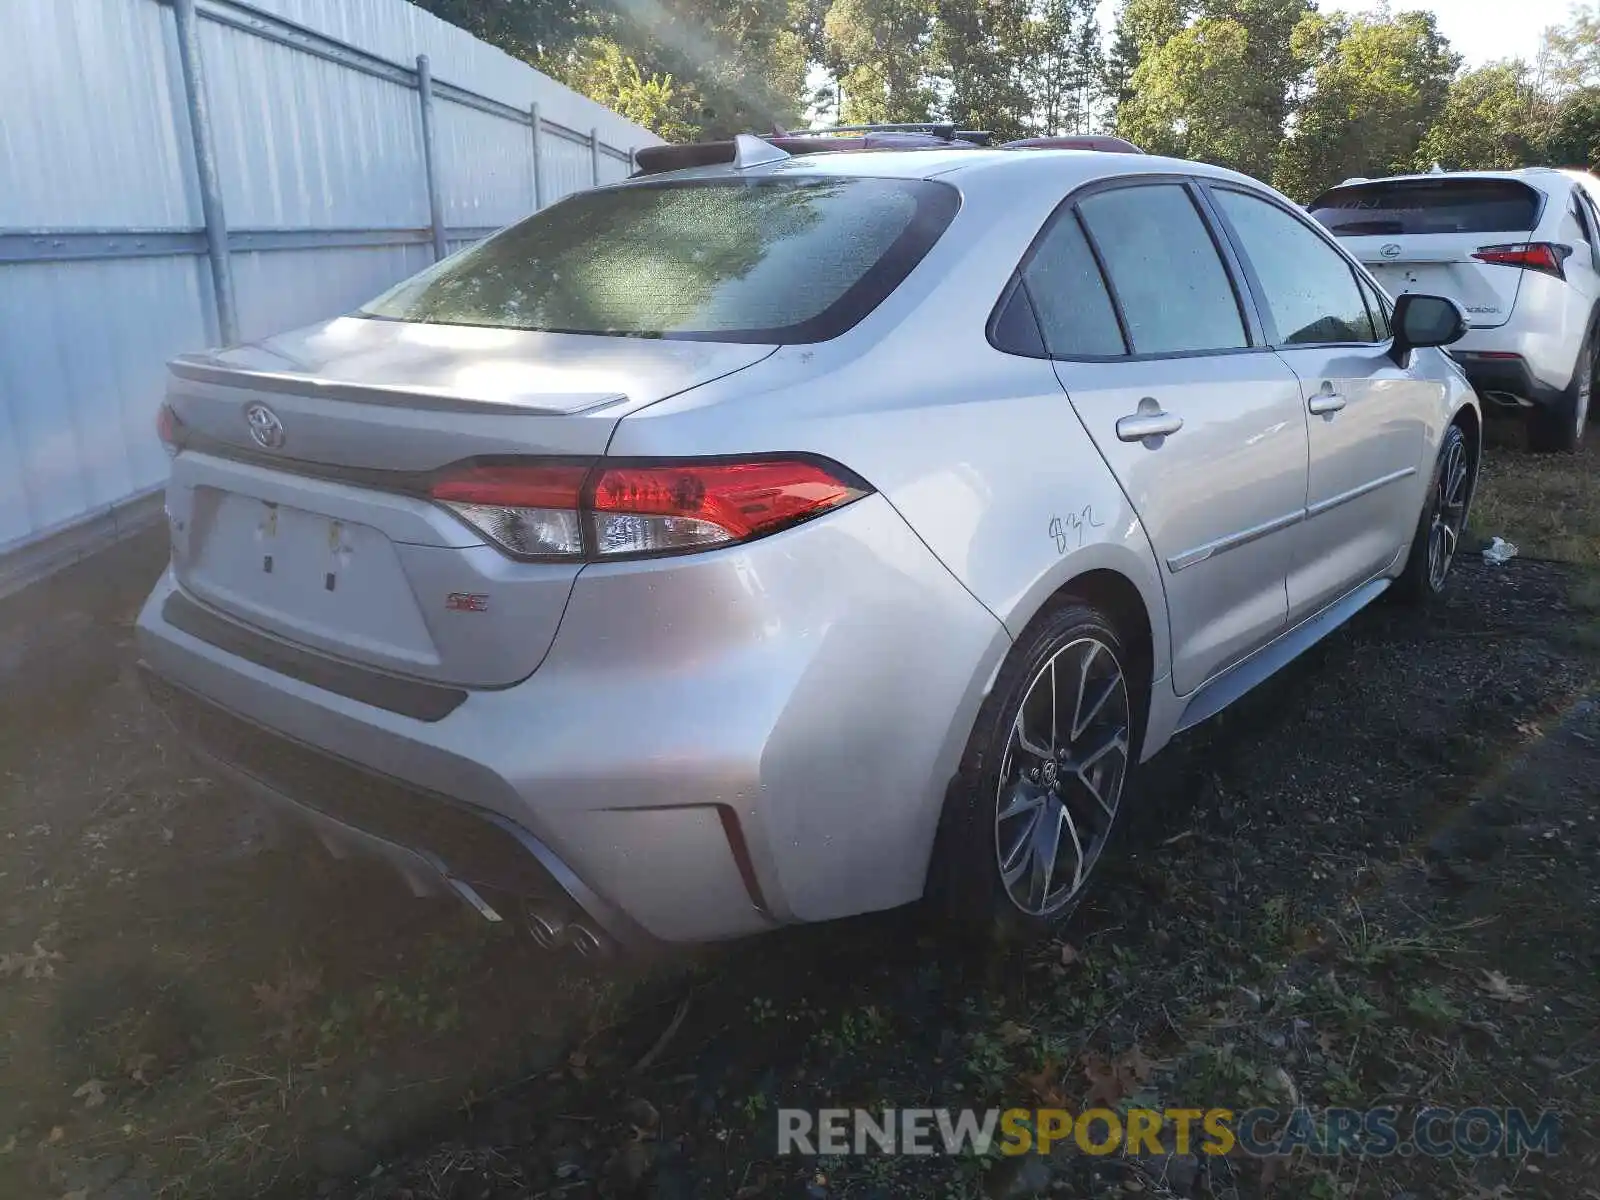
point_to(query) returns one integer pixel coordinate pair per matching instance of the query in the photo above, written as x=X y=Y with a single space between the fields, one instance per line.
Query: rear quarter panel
x=979 y=451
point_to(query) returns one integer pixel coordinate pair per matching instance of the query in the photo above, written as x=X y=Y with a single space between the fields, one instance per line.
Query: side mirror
x=1425 y=321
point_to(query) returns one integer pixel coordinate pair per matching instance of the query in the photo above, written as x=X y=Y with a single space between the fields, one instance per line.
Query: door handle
x=1148 y=421
x=1327 y=401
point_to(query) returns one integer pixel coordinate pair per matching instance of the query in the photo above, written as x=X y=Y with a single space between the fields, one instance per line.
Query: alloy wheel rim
x=1061 y=776
x=1449 y=514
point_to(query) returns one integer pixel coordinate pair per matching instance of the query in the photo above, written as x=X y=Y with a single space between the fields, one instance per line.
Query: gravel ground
x=1373 y=881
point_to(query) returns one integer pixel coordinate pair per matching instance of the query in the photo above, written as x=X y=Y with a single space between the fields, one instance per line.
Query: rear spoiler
x=744 y=150
x=653 y=160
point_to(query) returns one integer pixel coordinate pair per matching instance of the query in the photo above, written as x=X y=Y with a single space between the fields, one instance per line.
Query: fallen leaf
x=1111 y=1081
x=1045 y=1084
x=1501 y=988
x=1013 y=1034
x=58 y=1133
x=138 y=1066
x=92 y=1093
x=35 y=964
x=1105 y=1089
x=1136 y=1066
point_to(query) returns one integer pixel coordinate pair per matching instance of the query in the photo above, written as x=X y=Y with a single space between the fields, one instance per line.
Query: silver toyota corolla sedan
x=788 y=538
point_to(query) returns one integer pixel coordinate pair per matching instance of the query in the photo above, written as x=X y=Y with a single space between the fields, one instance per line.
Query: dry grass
x=1547 y=504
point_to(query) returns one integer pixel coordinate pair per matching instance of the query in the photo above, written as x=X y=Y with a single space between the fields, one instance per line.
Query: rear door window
x=1165 y=270
x=1428 y=206
x=1069 y=294
x=793 y=260
x=1309 y=289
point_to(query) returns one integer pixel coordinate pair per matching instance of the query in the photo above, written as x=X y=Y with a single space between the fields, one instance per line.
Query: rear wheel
x=1559 y=428
x=1444 y=517
x=1036 y=802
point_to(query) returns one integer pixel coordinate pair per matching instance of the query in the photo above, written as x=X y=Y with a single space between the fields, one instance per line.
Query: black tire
x=1559 y=428
x=967 y=885
x=1421 y=582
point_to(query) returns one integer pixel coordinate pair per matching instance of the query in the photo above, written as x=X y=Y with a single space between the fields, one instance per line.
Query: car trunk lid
x=1419 y=235
x=298 y=505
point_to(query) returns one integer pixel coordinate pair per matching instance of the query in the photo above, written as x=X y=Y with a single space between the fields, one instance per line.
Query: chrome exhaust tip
x=586 y=942
x=548 y=926
x=553 y=927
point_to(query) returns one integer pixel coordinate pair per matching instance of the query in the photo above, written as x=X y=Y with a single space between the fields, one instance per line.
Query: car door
x=1368 y=416
x=1583 y=265
x=1201 y=425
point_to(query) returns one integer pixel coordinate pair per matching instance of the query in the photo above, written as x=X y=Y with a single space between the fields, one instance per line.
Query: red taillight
x=512 y=485
x=537 y=510
x=169 y=429
x=1545 y=257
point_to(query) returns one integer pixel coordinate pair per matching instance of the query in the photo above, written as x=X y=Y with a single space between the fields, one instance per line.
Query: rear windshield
x=1428 y=206
x=796 y=260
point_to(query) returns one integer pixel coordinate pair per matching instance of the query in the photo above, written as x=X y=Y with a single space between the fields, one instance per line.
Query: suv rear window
x=1428 y=206
x=794 y=260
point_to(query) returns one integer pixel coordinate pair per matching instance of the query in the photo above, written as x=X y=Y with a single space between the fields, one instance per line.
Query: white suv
x=1519 y=251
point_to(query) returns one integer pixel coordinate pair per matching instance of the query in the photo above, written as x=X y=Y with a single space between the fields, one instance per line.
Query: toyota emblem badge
x=266 y=430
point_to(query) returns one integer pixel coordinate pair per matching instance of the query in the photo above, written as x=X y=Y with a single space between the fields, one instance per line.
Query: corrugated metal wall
x=317 y=128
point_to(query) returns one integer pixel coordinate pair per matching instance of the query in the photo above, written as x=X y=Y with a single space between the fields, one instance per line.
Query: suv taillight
x=543 y=511
x=1545 y=257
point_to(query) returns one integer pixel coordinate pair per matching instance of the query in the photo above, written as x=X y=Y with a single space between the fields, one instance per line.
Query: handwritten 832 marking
x=1062 y=530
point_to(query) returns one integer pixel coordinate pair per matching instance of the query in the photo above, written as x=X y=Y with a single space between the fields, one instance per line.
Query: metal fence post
x=205 y=161
x=538 y=167
x=594 y=157
x=430 y=164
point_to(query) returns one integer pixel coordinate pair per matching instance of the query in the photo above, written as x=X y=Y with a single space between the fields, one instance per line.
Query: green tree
x=1065 y=65
x=976 y=50
x=1493 y=119
x=1575 y=136
x=601 y=71
x=540 y=32
x=1217 y=88
x=705 y=68
x=1017 y=68
x=884 y=48
x=744 y=64
x=1141 y=27
x=1372 y=88
x=1572 y=51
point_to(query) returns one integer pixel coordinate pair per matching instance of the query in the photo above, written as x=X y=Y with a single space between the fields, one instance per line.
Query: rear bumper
x=1505 y=381
x=437 y=844
x=715 y=744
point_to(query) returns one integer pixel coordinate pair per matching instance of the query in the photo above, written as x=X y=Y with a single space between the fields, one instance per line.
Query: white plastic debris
x=1498 y=551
